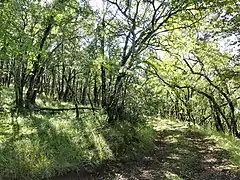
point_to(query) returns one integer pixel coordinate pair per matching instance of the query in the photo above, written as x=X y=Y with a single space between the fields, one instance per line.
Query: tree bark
x=103 y=77
x=38 y=69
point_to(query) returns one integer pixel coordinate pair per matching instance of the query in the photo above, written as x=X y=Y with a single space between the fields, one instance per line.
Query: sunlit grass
x=171 y=176
x=6 y=99
x=228 y=143
x=163 y=124
x=51 y=144
x=224 y=141
x=46 y=101
x=46 y=145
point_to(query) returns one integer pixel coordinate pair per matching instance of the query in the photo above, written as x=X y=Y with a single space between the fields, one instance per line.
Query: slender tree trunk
x=233 y=120
x=52 y=91
x=68 y=81
x=84 y=90
x=103 y=77
x=1 y=72
x=112 y=108
x=19 y=85
x=103 y=71
x=59 y=82
x=218 y=123
x=74 y=85
x=62 y=82
x=95 y=91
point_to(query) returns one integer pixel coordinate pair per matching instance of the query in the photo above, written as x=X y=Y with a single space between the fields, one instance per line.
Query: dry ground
x=178 y=153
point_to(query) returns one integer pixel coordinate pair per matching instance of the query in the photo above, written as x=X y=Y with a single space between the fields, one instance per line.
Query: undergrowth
x=46 y=144
x=40 y=146
x=223 y=141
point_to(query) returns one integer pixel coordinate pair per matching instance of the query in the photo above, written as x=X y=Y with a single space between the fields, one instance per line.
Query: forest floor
x=178 y=153
x=59 y=146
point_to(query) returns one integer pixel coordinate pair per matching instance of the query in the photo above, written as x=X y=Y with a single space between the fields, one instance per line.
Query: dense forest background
x=119 y=61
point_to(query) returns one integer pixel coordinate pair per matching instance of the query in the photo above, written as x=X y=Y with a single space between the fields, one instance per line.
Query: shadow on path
x=178 y=154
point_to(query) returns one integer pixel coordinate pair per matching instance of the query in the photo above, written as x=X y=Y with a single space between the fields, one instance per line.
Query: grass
x=45 y=101
x=179 y=152
x=223 y=141
x=44 y=145
x=52 y=144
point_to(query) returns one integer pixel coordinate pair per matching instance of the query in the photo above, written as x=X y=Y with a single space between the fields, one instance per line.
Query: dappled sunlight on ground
x=52 y=143
x=178 y=153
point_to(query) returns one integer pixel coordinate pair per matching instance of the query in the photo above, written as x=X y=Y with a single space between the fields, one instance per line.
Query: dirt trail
x=178 y=154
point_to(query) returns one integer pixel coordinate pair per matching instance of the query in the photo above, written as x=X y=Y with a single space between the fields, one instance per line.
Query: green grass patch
x=6 y=99
x=46 y=101
x=223 y=141
x=40 y=146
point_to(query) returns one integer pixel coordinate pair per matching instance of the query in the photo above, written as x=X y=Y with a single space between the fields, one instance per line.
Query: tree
x=142 y=25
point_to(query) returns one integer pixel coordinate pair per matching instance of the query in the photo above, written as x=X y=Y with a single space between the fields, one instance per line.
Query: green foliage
x=44 y=145
x=6 y=101
x=130 y=139
x=223 y=141
x=46 y=101
x=129 y=58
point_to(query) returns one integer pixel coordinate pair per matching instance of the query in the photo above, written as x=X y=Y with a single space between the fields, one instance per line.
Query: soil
x=177 y=154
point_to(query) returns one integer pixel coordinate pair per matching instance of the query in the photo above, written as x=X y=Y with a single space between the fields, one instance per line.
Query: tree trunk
x=95 y=91
x=103 y=77
x=34 y=86
x=68 y=81
x=84 y=90
x=112 y=108
x=38 y=69
x=61 y=83
x=19 y=82
x=52 y=91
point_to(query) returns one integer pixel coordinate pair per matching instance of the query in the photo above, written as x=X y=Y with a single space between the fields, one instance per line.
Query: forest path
x=178 y=153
